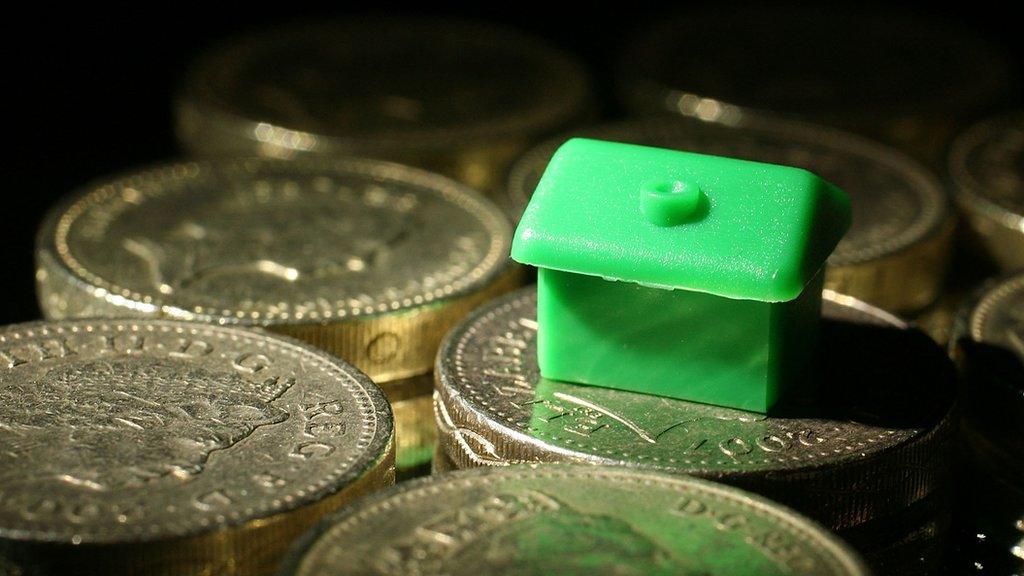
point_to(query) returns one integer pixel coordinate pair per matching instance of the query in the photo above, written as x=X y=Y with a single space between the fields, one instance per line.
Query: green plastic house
x=677 y=274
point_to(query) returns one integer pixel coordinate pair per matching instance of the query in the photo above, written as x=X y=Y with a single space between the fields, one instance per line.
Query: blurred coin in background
x=457 y=97
x=986 y=165
x=896 y=252
x=895 y=76
x=988 y=343
x=369 y=260
x=569 y=520
x=869 y=458
x=161 y=447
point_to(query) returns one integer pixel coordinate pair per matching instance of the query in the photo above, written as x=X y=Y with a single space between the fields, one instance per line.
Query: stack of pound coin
x=368 y=260
x=868 y=458
x=569 y=520
x=895 y=254
x=988 y=344
x=457 y=97
x=890 y=75
x=986 y=166
x=175 y=448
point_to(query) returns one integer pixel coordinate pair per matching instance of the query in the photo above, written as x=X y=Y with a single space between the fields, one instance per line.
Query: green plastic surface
x=671 y=219
x=677 y=274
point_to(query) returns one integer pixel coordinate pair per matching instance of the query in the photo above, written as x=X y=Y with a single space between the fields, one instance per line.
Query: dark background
x=87 y=92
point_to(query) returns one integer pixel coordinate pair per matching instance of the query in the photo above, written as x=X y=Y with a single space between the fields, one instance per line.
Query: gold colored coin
x=368 y=260
x=174 y=448
x=457 y=97
x=987 y=166
x=415 y=433
x=896 y=252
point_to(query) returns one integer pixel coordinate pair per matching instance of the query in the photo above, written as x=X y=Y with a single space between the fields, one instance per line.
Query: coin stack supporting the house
x=368 y=260
x=173 y=448
x=895 y=254
x=893 y=76
x=570 y=520
x=459 y=98
x=988 y=344
x=869 y=458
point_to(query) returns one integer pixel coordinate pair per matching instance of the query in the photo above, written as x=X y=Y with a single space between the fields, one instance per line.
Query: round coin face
x=381 y=84
x=987 y=164
x=823 y=64
x=266 y=243
x=870 y=445
x=125 y=432
x=569 y=520
x=897 y=204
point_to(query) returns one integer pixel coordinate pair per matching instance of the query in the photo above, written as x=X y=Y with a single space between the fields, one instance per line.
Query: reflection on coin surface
x=559 y=519
x=396 y=88
x=987 y=166
x=872 y=446
x=895 y=253
x=370 y=260
x=892 y=74
x=127 y=445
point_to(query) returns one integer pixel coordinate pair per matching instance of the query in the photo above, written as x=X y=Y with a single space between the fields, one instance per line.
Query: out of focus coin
x=461 y=98
x=988 y=344
x=871 y=452
x=161 y=447
x=569 y=520
x=986 y=164
x=891 y=75
x=896 y=252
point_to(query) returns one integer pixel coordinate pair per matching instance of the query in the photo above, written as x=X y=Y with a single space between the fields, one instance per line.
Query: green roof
x=671 y=219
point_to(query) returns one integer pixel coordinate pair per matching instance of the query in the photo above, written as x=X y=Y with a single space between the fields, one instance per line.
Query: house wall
x=673 y=343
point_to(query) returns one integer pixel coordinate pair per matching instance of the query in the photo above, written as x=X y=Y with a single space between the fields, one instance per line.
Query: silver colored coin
x=873 y=445
x=560 y=519
x=263 y=243
x=128 y=445
x=377 y=86
x=897 y=204
x=987 y=166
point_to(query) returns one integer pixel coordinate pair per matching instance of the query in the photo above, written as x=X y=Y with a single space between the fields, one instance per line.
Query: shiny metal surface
x=874 y=444
x=159 y=447
x=896 y=251
x=569 y=520
x=370 y=260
